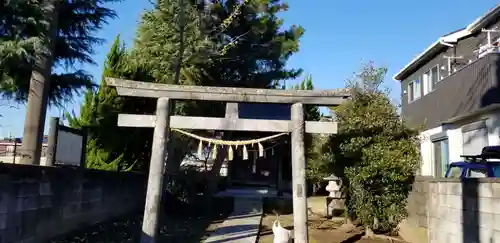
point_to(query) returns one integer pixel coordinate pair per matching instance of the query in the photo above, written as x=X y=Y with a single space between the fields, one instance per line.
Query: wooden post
x=85 y=138
x=15 y=151
x=156 y=167
x=299 y=174
x=52 y=143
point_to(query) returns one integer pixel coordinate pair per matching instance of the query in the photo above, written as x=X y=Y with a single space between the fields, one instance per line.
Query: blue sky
x=339 y=36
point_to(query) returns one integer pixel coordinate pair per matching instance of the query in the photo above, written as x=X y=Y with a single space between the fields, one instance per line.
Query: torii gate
x=163 y=121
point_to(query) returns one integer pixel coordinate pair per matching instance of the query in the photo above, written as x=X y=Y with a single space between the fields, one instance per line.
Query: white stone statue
x=281 y=235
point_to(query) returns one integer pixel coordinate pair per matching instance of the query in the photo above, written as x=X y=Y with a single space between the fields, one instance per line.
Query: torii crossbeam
x=162 y=122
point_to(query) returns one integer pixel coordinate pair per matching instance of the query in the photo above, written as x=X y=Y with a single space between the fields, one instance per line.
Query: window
x=410 y=92
x=435 y=75
x=414 y=90
x=440 y=156
x=430 y=78
x=475 y=138
x=417 y=89
x=426 y=78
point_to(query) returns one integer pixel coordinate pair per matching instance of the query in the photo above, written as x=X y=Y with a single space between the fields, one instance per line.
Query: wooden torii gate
x=163 y=121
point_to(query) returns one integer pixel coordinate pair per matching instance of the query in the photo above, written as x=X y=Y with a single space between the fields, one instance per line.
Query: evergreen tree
x=259 y=44
x=21 y=27
x=170 y=46
x=98 y=111
x=157 y=46
x=317 y=166
x=259 y=50
x=375 y=153
x=110 y=147
x=311 y=111
x=256 y=58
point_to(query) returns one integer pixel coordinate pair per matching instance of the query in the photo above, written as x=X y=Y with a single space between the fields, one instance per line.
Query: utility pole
x=38 y=95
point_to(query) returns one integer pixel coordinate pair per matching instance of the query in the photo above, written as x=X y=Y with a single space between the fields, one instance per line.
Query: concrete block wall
x=417 y=202
x=414 y=228
x=39 y=203
x=454 y=211
x=467 y=211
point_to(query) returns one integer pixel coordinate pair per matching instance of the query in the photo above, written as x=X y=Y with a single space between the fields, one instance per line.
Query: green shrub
x=379 y=186
x=375 y=153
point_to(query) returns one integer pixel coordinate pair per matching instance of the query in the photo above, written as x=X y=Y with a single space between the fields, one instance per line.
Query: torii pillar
x=299 y=174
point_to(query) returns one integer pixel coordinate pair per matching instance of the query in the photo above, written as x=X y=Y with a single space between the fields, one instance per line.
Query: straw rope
x=230 y=144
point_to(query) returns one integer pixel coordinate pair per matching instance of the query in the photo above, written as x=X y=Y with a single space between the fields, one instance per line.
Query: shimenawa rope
x=236 y=143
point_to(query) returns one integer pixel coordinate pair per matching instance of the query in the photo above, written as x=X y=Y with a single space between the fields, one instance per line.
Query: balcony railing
x=474 y=86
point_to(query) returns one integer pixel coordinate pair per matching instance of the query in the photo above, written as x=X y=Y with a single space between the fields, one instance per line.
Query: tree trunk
x=38 y=95
x=182 y=26
x=176 y=156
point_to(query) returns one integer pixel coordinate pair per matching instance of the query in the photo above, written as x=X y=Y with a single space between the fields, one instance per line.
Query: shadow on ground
x=243 y=232
x=189 y=225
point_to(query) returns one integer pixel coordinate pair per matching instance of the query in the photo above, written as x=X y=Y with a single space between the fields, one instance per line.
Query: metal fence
x=63 y=146
x=10 y=151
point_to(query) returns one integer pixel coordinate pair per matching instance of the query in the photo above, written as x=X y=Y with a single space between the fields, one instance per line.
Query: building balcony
x=473 y=87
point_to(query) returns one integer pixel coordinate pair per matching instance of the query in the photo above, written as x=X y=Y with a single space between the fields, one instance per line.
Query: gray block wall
x=38 y=203
x=456 y=211
x=417 y=202
x=466 y=211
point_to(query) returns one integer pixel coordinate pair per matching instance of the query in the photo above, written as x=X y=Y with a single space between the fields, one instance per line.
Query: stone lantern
x=334 y=201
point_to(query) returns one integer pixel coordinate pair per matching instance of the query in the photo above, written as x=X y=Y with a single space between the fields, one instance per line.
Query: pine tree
x=259 y=44
x=169 y=46
x=157 y=46
x=21 y=28
x=99 y=114
x=251 y=47
x=256 y=59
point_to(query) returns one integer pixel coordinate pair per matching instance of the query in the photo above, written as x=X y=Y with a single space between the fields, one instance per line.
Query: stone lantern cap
x=331 y=178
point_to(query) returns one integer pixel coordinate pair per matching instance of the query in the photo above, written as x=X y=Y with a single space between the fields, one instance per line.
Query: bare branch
x=227 y=22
